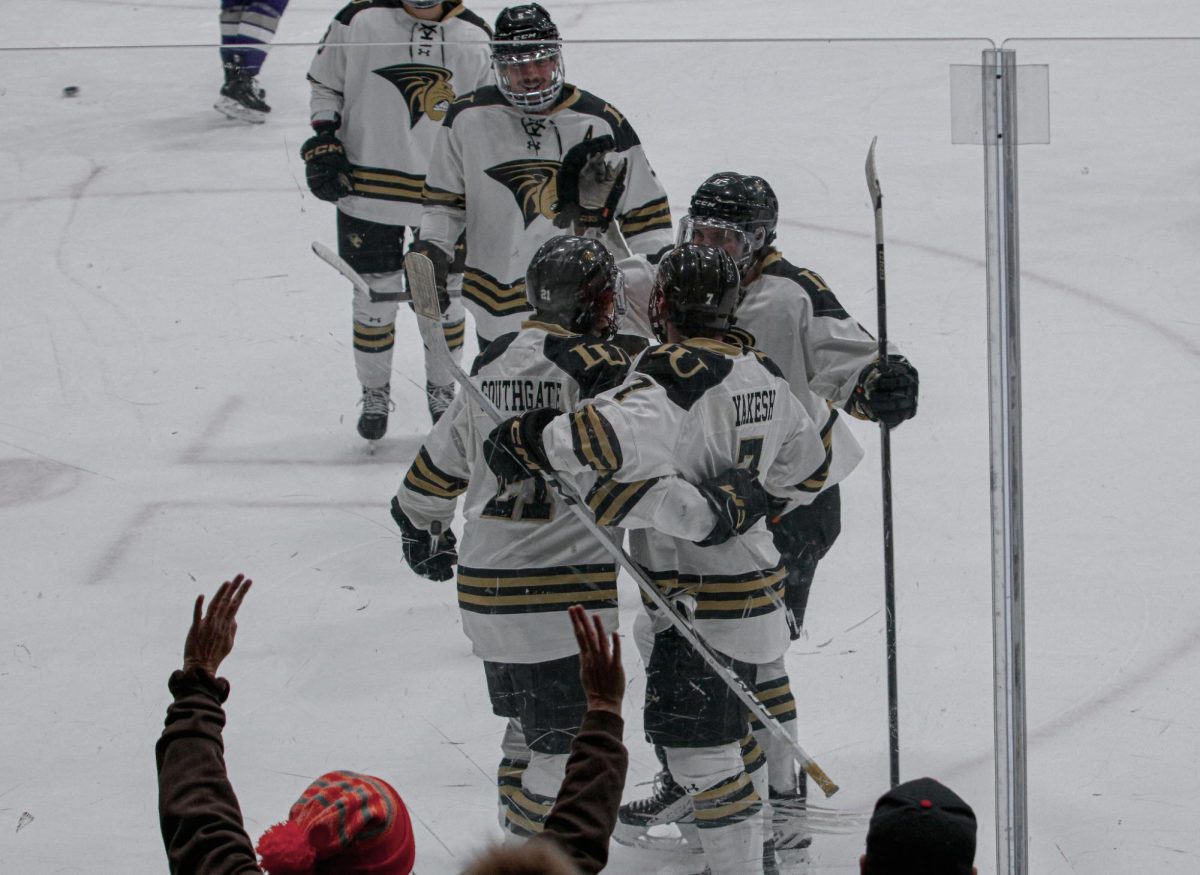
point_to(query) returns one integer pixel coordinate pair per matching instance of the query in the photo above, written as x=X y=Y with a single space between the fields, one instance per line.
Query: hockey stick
x=885 y=452
x=339 y=264
x=425 y=302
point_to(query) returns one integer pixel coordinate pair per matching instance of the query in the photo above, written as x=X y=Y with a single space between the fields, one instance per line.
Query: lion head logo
x=426 y=89
x=532 y=183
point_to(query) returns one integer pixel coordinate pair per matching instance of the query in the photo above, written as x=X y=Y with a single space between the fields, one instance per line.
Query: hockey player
x=382 y=82
x=493 y=171
x=524 y=558
x=247 y=28
x=703 y=408
x=831 y=363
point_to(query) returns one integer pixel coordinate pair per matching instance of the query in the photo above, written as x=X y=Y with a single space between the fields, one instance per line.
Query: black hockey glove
x=441 y=268
x=886 y=392
x=588 y=186
x=737 y=500
x=514 y=449
x=326 y=166
x=432 y=555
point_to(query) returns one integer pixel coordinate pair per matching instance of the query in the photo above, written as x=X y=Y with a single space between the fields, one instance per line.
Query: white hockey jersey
x=392 y=78
x=493 y=172
x=692 y=411
x=523 y=557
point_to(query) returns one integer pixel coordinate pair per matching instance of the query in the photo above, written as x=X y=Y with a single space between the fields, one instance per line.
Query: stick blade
x=422 y=286
x=872 y=176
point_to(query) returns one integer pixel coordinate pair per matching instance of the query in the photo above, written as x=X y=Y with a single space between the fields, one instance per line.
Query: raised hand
x=600 y=668
x=210 y=639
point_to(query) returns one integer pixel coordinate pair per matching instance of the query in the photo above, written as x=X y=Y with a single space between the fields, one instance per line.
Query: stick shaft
x=885 y=452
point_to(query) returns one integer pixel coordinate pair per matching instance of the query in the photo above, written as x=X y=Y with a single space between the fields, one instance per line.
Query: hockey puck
x=71 y=91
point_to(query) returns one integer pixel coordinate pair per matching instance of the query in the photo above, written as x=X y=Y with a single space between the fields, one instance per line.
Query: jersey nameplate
x=754 y=407
x=514 y=396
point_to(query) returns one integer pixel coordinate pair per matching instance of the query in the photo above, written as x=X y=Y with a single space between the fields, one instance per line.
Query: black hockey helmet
x=574 y=282
x=696 y=289
x=735 y=211
x=526 y=35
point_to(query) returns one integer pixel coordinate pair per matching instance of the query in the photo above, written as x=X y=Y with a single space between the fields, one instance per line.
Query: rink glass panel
x=180 y=400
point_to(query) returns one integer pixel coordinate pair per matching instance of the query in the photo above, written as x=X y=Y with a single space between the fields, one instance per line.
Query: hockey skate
x=241 y=99
x=646 y=822
x=439 y=398
x=790 y=828
x=376 y=405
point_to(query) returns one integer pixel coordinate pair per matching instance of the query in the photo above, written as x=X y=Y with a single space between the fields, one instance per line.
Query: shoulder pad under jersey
x=488 y=95
x=462 y=13
x=684 y=372
x=766 y=362
x=824 y=302
x=351 y=9
x=586 y=103
x=493 y=351
x=592 y=363
x=633 y=344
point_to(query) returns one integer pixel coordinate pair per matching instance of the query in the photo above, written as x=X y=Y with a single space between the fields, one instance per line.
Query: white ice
x=178 y=405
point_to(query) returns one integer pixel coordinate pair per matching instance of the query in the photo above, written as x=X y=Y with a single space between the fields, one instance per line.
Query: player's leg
x=247 y=29
x=552 y=703
x=803 y=537
x=667 y=802
x=507 y=698
x=376 y=252
x=694 y=715
x=787 y=785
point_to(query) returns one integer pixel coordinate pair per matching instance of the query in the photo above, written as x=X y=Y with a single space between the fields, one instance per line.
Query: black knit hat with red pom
x=357 y=823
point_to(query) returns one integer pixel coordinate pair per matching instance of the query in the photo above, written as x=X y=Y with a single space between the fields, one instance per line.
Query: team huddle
x=691 y=390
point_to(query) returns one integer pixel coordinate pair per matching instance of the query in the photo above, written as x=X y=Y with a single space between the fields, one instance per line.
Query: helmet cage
x=422 y=4
x=511 y=57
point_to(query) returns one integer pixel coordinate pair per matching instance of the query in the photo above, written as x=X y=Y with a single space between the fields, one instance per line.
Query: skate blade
x=664 y=837
x=231 y=109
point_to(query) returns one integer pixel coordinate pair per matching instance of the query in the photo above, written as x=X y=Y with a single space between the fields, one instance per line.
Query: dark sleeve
x=198 y=811
x=585 y=810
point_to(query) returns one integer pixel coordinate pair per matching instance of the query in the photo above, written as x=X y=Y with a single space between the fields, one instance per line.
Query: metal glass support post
x=1004 y=377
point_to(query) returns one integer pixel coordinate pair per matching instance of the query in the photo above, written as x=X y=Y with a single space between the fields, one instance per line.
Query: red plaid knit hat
x=356 y=823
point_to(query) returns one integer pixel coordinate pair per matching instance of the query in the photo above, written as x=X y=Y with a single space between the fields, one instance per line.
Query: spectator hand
x=600 y=668
x=210 y=639
x=514 y=449
x=588 y=187
x=737 y=500
x=432 y=555
x=886 y=392
x=326 y=167
x=441 y=268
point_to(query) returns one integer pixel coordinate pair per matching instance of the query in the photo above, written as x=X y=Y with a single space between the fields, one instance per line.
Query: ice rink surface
x=179 y=404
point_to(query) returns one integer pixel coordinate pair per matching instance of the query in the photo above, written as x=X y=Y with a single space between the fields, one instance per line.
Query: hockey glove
x=431 y=554
x=441 y=268
x=886 y=392
x=588 y=186
x=737 y=500
x=514 y=449
x=326 y=166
